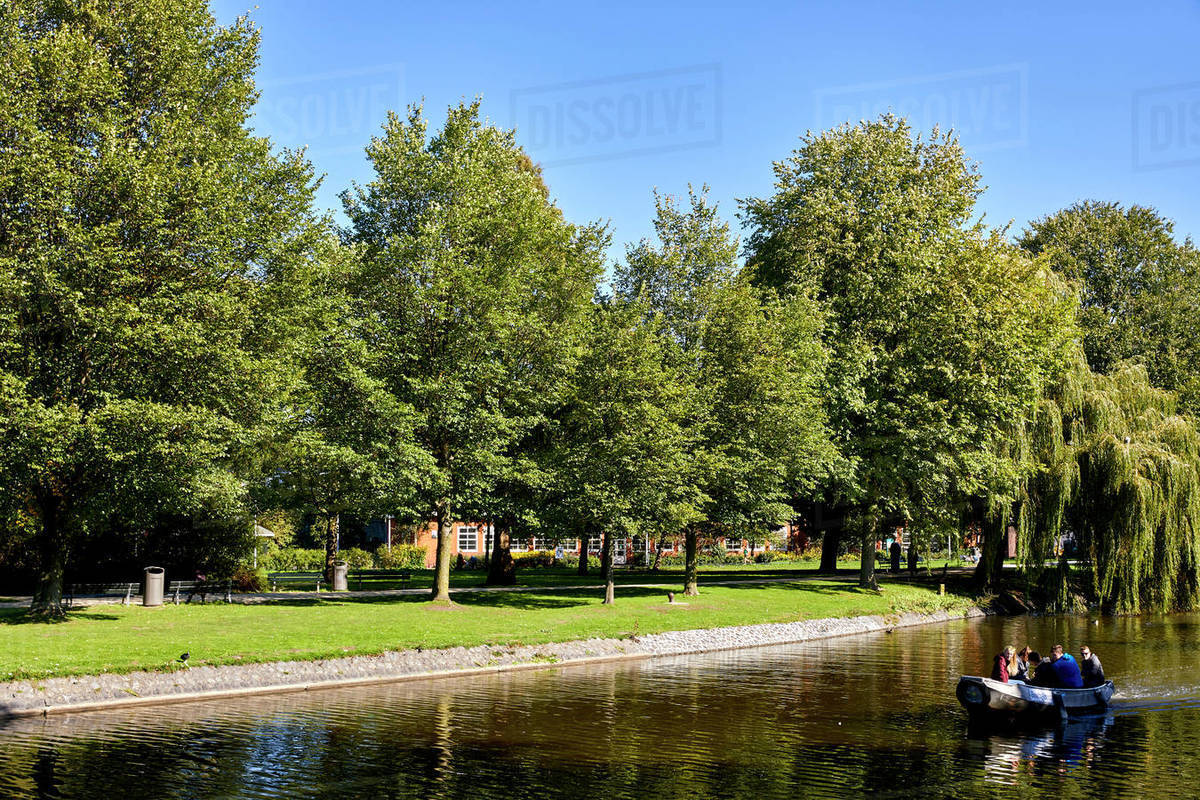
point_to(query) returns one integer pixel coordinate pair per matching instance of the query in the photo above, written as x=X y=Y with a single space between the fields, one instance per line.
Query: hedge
x=296 y=559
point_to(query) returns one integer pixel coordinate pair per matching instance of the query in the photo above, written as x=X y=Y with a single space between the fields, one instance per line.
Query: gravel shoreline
x=93 y=692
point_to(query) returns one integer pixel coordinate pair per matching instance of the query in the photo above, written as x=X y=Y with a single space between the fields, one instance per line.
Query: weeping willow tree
x=1108 y=459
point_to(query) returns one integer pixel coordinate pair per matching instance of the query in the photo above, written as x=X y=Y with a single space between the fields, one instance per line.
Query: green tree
x=1119 y=469
x=619 y=446
x=753 y=361
x=1139 y=289
x=348 y=446
x=930 y=359
x=471 y=282
x=143 y=234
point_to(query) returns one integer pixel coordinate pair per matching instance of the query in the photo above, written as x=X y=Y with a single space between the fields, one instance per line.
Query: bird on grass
x=183 y=659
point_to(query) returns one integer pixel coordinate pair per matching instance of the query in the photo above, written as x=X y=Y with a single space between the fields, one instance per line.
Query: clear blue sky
x=1089 y=100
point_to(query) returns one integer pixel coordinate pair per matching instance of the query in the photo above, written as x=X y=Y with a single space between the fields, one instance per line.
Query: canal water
x=869 y=714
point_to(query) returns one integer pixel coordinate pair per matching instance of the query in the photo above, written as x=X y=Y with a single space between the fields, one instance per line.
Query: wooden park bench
x=124 y=589
x=280 y=580
x=358 y=575
x=202 y=589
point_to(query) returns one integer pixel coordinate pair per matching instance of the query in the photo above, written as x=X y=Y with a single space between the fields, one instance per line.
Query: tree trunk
x=502 y=569
x=52 y=559
x=441 y=568
x=991 y=556
x=866 y=564
x=582 y=567
x=830 y=541
x=690 y=584
x=659 y=546
x=332 y=529
x=606 y=567
x=912 y=556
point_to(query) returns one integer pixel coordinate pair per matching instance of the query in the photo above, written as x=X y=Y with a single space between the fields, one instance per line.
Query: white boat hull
x=984 y=697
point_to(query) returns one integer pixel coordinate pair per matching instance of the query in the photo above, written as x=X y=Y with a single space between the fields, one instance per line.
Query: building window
x=468 y=538
x=732 y=545
x=488 y=541
x=594 y=544
x=541 y=543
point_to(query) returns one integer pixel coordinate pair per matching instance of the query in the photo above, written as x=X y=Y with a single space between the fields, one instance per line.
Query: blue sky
x=1096 y=100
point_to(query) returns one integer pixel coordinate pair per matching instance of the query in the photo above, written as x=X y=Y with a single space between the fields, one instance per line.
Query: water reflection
x=866 y=714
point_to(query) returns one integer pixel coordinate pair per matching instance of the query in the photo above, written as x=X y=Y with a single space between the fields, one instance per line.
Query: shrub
x=250 y=580
x=402 y=556
x=357 y=558
x=766 y=557
x=705 y=558
x=780 y=555
x=534 y=558
x=294 y=559
x=572 y=561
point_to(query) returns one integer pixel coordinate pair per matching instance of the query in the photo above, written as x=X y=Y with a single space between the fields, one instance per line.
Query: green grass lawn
x=562 y=576
x=122 y=639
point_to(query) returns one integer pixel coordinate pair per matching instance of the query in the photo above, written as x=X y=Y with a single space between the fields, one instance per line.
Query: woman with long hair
x=1005 y=664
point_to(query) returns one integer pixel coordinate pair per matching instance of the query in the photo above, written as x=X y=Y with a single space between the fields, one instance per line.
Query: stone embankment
x=58 y=695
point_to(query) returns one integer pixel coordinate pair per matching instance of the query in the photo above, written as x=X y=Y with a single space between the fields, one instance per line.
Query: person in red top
x=1004 y=664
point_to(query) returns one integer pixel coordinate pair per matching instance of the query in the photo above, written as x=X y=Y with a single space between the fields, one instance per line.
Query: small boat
x=1015 y=701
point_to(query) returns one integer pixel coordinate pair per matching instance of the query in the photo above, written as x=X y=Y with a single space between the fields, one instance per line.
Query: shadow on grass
x=21 y=616
x=570 y=597
x=519 y=599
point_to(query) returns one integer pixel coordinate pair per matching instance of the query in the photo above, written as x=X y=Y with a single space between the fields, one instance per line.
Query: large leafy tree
x=343 y=442
x=753 y=361
x=930 y=357
x=1119 y=469
x=619 y=451
x=143 y=232
x=471 y=282
x=1139 y=289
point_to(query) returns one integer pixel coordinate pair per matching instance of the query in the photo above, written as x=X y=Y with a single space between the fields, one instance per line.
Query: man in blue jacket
x=1066 y=669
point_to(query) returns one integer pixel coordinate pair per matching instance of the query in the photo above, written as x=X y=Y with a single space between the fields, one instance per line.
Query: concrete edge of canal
x=109 y=691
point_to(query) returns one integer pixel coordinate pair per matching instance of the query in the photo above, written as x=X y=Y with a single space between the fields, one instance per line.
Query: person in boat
x=1041 y=671
x=1089 y=667
x=1065 y=668
x=1004 y=664
x=1022 y=662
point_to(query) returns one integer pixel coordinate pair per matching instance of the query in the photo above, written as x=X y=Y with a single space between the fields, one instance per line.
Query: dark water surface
x=871 y=714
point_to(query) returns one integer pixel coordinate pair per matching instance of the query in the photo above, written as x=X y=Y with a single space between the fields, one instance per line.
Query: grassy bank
x=123 y=639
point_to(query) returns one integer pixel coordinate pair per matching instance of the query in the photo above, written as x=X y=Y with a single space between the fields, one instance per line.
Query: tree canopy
x=143 y=233
x=938 y=333
x=1139 y=289
x=471 y=280
x=752 y=360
